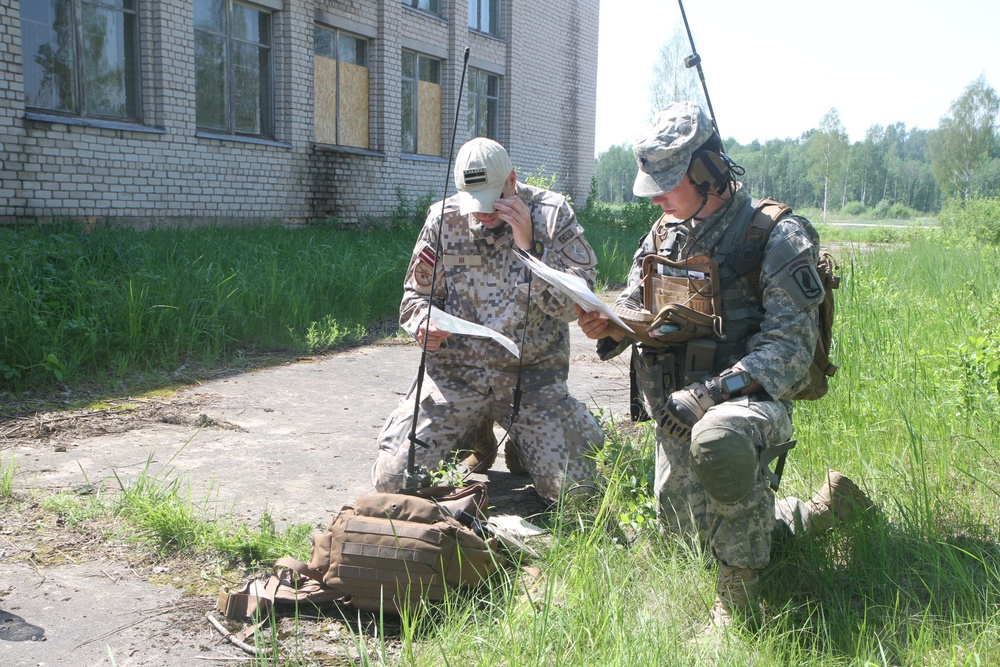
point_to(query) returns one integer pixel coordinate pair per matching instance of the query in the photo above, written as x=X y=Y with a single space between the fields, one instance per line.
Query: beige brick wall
x=163 y=171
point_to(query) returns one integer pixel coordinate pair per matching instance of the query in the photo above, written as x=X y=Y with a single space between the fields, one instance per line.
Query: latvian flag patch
x=427 y=256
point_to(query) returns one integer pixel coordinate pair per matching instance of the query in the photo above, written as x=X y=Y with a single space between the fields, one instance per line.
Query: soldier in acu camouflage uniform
x=467 y=247
x=721 y=402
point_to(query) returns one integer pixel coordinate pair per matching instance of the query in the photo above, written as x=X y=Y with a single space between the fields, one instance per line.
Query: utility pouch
x=654 y=376
x=684 y=294
x=699 y=360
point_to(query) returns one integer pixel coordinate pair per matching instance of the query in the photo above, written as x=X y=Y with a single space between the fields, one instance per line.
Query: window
x=484 y=104
x=81 y=57
x=232 y=58
x=340 y=88
x=484 y=16
x=421 y=104
x=432 y=6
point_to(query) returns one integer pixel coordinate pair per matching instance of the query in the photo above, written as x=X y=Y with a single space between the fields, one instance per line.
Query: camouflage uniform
x=478 y=278
x=773 y=340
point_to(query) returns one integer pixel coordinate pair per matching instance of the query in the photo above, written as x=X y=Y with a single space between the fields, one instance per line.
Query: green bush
x=900 y=212
x=854 y=208
x=975 y=221
x=881 y=209
x=409 y=214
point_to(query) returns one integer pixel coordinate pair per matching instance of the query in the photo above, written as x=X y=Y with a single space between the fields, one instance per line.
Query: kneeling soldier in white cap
x=467 y=247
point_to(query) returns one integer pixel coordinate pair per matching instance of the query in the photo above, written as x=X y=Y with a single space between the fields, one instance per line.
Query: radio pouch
x=684 y=294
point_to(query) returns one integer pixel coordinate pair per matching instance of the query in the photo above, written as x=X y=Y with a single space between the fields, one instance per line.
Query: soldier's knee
x=725 y=461
x=385 y=479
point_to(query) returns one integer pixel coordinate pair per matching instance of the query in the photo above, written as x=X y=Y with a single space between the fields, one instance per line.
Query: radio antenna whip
x=694 y=60
x=413 y=477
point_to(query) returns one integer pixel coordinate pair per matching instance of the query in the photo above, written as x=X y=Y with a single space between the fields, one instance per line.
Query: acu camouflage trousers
x=554 y=431
x=738 y=534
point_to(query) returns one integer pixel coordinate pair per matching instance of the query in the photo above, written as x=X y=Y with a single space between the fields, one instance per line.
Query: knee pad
x=725 y=461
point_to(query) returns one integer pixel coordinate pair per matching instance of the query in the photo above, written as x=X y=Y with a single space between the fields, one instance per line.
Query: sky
x=774 y=68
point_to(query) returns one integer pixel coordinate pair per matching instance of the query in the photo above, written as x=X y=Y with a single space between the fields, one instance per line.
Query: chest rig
x=693 y=279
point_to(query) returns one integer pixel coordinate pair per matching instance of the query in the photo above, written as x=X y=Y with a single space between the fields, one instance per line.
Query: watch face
x=736 y=382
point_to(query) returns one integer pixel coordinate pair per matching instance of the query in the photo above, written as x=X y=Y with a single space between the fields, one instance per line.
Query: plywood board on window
x=353 y=105
x=428 y=118
x=325 y=99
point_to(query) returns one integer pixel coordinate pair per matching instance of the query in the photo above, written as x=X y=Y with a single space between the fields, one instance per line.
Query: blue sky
x=876 y=61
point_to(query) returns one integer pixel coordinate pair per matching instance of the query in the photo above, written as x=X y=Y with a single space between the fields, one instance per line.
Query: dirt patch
x=121 y=416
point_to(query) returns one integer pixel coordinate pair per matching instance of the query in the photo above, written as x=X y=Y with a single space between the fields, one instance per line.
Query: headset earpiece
x=709 y=171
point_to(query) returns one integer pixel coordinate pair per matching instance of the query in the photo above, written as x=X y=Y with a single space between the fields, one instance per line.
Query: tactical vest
x=739 y=255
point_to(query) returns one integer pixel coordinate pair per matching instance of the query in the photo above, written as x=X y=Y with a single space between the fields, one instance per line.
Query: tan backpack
x=389 y=550
x=765 y=216
x=384 y=552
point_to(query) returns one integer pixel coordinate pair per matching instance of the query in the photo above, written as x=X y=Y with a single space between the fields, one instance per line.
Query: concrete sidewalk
x=296 y=440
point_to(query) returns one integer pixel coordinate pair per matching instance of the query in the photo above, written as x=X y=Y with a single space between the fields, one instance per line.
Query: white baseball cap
x=482 y=168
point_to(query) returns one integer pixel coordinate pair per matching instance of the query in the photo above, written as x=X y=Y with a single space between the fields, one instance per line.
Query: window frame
x=474 y=97
x=415 y=4
x=267 y=100
x=79 y=107
x=476 y=23
x=337 y=33
x=414 y=82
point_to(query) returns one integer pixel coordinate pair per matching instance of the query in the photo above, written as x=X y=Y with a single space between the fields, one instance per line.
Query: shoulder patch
x=564 y=236
x=803 y=272
x=579 y=252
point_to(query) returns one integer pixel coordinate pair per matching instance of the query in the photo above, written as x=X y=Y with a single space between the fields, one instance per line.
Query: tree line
x=892 y=172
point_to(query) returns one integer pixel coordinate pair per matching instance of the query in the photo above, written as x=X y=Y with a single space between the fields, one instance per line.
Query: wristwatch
x=537 y=249
x=714 y=390
x=733 y=382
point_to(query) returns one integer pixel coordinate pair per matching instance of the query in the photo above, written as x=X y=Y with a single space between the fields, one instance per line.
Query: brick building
x=163 y=111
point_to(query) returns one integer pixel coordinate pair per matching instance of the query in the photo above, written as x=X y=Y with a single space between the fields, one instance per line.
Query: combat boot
x=512 y=457
x=837 y=500
x=481 y=449
x=735 y=598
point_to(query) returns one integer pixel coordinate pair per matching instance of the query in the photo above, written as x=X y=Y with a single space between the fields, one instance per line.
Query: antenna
x=694 y=60
x=414 y=478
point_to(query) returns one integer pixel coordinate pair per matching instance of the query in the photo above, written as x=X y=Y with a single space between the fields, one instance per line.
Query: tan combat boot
x=836 y=501
x=735 y=597
x=480 y=448
x=512 y=457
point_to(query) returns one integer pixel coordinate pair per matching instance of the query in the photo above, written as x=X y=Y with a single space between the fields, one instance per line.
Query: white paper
x=457 y=325
x=516 y=525
x=573 y=286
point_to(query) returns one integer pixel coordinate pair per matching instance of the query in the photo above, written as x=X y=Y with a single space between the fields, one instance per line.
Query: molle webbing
x=396 y=529
x=382 y=552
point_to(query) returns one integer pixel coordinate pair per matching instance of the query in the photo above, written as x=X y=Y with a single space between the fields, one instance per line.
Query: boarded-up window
x=421 y=93
x=340 y=84
x=484 y=104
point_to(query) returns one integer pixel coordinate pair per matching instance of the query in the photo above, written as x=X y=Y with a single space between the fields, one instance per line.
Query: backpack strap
x=766 y=213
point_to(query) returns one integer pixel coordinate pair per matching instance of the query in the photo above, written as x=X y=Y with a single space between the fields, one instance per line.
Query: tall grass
x=105 y=304
x=911 y=415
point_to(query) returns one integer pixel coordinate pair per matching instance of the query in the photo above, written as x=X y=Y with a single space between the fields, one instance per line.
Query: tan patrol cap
x=482 y=167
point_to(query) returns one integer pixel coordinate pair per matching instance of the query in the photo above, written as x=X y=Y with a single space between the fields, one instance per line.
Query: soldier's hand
x=594 y=325
x=433 y=335
x=514 y=212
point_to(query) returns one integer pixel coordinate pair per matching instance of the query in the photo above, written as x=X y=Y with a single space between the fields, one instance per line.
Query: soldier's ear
x=510 y=187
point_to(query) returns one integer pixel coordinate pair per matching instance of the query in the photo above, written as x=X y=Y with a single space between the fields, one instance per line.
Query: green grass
x=110 y=304
x=911 y=415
